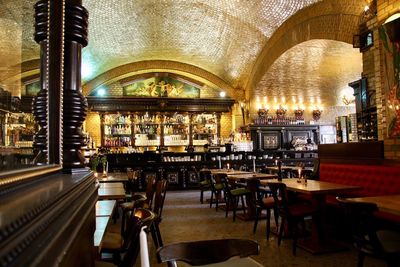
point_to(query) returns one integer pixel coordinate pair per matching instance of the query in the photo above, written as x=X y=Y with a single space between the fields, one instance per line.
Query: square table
x=388 y=203
x=105 y=207
x=318 y=191
x=111 y=191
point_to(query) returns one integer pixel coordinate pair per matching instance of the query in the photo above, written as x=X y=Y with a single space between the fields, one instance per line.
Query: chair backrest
x=142 y=217
x=205 y=175
x=161 y=192
x=133 y=180
x=207 y=251
x=150 y=189
x=217 y=179
x=278 y=191
x=362 y=223
x=253 y=185
x=131 y=241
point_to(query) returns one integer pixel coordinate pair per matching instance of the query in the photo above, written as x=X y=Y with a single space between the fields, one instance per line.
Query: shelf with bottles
x=204 y=128
x=116 y=141
x=269 y=120
x=147 y=140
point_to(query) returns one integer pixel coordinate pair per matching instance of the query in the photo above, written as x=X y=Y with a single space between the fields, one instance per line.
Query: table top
x=105 y=207
x=245 y=176
x=115 y=191
x=314 y=187
x=236 y=262
x=101 y=226
x=113 y=177
x=228 y=172
x=291 y=168
x=389 y=203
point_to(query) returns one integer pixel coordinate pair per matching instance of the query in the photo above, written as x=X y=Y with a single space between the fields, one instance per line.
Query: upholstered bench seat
x=375 y=180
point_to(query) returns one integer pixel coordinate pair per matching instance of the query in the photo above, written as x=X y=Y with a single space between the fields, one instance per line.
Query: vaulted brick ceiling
x=224 y=38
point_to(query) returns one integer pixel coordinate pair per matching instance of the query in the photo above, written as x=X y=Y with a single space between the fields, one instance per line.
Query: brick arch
x=332 y=19
x=164 y=65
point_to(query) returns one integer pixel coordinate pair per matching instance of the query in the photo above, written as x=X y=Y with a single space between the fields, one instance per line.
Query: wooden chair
x=291 y=213
x=368 y=239
x=216 y=190
x=140 y=218
x=232 y=195
x=128 y=242
x=260 y=203
x=159 y=199
x=205 y=183
x=204 y=252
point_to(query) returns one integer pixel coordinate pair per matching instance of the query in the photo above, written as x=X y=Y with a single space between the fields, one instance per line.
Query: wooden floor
x=184 y=218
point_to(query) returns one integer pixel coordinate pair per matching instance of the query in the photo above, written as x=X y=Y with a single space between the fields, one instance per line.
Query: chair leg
x=257 y=215
x=154 y=235
x=159 y=238
x=201 y=195
x=227 y=206
x=268 y=222
x=294 y=233
x=235 y=204
x=281 y=228
x=276 y=217
x=243 y=205
x=217 y=196
x=212 y=198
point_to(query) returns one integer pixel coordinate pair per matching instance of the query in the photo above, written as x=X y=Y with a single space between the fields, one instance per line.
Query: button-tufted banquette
x=375 y=180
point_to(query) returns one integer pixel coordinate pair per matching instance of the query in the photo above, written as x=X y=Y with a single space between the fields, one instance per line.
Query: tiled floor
x=184 y=218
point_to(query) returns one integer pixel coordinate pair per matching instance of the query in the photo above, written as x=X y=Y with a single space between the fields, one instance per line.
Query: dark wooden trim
x=143 y=104
x=352 y=151
x=58 y=215
x=55 y=74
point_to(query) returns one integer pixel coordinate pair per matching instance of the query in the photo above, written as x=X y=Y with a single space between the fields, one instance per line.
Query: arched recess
x=332 y=19
x=159 y=65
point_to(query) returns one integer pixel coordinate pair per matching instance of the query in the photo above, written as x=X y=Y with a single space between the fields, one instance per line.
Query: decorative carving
x=40 y=101
x=75 y=105
x=299 y=114
x=280 y=112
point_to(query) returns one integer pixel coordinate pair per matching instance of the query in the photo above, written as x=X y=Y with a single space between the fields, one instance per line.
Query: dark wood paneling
x=49 y=221
x=351 y=151
x=143 y=104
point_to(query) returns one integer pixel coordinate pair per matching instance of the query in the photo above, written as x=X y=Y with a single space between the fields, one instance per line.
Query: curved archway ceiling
x=223 y=37
x=315 y=72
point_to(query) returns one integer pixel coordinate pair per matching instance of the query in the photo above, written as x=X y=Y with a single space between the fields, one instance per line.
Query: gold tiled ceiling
x=16 y=40
x=223 y=37
x=314 y=72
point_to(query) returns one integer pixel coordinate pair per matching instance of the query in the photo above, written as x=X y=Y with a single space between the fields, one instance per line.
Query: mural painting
x=161 y=87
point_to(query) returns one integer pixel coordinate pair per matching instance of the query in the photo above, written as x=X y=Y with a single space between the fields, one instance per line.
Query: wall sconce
x=280 y=112
x=347 y=101
x=299 y=114
x=316 y=114
x=262 y=112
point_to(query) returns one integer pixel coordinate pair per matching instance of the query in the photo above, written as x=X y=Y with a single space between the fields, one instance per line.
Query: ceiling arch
x=330 y=19
x=133 y=68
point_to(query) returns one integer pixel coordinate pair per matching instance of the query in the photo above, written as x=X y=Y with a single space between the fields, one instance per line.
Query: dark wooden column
x=74 y=104
x=40 y=101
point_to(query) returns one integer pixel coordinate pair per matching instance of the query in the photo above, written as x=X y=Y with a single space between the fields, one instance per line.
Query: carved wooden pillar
x=40 y=101
x=75 y=105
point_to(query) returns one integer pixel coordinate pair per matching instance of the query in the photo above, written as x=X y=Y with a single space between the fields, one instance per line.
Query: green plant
x=94 y=162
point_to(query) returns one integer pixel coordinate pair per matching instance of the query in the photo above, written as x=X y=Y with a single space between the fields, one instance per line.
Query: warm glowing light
x=222 y=94
x=283 y=99
x=366 y=8
x=101 y=92
x=393 y=17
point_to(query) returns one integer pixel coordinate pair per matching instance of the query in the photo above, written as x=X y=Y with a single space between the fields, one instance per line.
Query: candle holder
x=316 y=114
x=280 y=112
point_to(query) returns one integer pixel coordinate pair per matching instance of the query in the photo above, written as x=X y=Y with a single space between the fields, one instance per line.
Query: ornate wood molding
x=45 y=217
x=143 y=104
